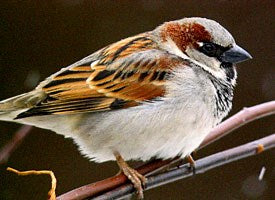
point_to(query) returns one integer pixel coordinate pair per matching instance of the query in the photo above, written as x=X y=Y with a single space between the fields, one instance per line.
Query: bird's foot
x=136 y=178
x=191 y=161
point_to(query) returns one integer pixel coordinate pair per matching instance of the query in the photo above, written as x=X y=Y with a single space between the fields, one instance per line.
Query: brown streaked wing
x=125 y=74
x=138 y=77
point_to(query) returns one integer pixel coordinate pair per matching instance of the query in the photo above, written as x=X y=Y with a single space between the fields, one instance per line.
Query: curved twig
x=241 y=118
x=51 y=193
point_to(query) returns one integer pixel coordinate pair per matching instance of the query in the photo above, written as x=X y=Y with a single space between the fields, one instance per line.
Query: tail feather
x=13 y=106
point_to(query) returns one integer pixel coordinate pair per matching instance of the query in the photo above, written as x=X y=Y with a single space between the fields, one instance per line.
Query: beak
x=235 y=54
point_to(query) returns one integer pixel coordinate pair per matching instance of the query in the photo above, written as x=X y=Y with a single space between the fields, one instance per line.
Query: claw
x=136 y=178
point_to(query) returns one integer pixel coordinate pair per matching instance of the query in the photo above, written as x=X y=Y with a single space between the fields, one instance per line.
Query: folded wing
x=122 y=75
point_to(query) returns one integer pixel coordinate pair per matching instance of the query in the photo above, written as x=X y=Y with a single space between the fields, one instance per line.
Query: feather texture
x=121 y=75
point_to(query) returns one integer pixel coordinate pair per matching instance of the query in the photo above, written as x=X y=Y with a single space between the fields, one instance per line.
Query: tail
x=13 y=106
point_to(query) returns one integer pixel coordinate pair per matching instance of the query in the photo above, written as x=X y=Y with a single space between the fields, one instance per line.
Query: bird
x=153 y=95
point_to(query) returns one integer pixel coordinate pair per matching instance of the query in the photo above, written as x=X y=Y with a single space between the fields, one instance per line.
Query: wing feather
x=120 y=75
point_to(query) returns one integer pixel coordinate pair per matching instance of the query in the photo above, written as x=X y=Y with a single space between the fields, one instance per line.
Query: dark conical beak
x=235 y=54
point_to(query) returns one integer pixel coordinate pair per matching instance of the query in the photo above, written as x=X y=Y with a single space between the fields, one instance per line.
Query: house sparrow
x=156 y=94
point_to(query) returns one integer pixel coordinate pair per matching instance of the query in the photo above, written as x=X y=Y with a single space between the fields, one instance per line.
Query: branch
x=202 y=166
x=12 y=145
x=241 y=118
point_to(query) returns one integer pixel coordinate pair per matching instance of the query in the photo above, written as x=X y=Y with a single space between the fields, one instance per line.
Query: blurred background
x=39 y=37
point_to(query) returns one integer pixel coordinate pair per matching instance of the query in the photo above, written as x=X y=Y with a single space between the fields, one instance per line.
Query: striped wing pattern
x=123 y=75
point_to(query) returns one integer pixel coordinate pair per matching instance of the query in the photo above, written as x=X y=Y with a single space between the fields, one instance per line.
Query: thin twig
x=202 y=166
x=12 y=145
x=51 y=193
x=241 y=118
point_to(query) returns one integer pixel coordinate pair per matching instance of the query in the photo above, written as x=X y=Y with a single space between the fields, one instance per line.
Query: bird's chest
x=163 y=129
x=186 y=127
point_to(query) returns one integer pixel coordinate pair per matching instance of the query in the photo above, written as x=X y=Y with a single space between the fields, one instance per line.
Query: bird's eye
x=209 y=49
x=212 y=50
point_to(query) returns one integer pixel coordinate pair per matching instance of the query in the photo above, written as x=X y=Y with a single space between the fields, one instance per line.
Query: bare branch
x=241 y=118
x=202 y=166
x=12 y=145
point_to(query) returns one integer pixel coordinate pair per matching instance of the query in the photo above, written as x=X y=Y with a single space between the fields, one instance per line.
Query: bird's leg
x=191 y=161
x=136 y=178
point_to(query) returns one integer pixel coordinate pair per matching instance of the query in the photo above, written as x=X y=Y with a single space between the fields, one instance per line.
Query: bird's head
x=206 y=43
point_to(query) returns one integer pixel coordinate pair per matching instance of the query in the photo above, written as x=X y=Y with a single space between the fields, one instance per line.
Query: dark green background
x=40 y=37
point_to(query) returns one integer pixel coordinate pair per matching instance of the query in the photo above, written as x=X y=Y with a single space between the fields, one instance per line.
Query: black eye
x=209 y=49
x=212 y=50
